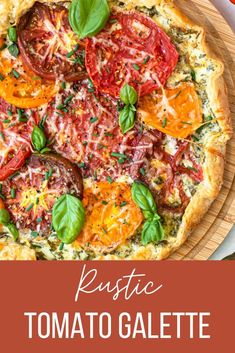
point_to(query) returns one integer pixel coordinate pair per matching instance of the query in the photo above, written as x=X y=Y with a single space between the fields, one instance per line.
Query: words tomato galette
x=113 y=127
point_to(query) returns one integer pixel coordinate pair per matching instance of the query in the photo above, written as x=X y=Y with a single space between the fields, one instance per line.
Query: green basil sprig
x=68 y=217
x=38 y=138
x=129 y=97
x=152 y=229
x=88 y=17
x=5 y=220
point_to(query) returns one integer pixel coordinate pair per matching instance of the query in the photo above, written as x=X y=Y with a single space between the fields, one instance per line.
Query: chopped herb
x=35 y=78
x=37 y=201
x=193 y=169
x=208 y=118
x=29 y=207
x=108 y=134
x=95 y=175
x=159 y=180
x=9 y=112
x=81 y=165
x=12 y=34
x=72 y=52
x=104 y=230
x=122 y=204
x=121 y=161
x=15 y=73
x=63 y=85
x=2 y=197
x=136 y=67
x=6 y=121
x=34 y=234
x=93 y=120
x=21 y=115
x=48 y=174
x=85 y=143
x=164 y=122
x=13 y=193
x=177 y=95
x=101 y=146
x=39 y=220
x=119 y=155
x=186 y=123
x=1 y=77
x=13 y=50
x=42 y=122
x=142 y=171
x=60 y=106
x=61 y=247
x=195 y=138
x=79 y=61
x=146 y=59
x=90 y=86
x=193 y=75
x=68 y=99
x=110 y=180
x=113 y=20
x=13 y=175
x=104 y=203
x=2 y=136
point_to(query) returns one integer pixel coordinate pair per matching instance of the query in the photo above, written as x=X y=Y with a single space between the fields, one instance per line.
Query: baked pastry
x=114 y=121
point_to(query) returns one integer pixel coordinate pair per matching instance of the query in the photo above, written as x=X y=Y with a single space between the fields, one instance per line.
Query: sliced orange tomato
x=174 y=111
x=22 y=88
x=111 y=215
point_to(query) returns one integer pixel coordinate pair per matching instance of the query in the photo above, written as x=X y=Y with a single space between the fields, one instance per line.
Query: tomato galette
x=113 y=129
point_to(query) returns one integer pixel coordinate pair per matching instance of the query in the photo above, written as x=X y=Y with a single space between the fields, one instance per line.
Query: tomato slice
x=174 y=111
x=48 y=45
x=21 y=88
x=15 y=163
x=111 y=216
x=37 y=186
x=133 y=49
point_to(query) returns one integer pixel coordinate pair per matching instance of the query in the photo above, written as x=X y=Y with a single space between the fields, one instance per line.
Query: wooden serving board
x=221 y=217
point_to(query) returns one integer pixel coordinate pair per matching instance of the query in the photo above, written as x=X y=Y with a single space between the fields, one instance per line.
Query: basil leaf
x=128 y=94
x=143 y=198
x=88 y=17
x=38 y=139
x=13 y=230
x=4 y=216
x=127 y=119
x=12 y=34
x=152 y=232
x=13 y=50
x=68 y=216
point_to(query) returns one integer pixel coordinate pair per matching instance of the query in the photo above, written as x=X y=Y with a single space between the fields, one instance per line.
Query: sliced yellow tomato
x=22 y=88
x=174 y=111
x=111 y=215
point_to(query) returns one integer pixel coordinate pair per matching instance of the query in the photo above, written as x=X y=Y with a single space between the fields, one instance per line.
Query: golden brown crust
x=215 y=146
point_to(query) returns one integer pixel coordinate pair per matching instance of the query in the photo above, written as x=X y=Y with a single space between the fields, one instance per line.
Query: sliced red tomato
x=48 y=45
x=15 y=137
x=15 y=163
x=133 y=49
x=30 y=195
